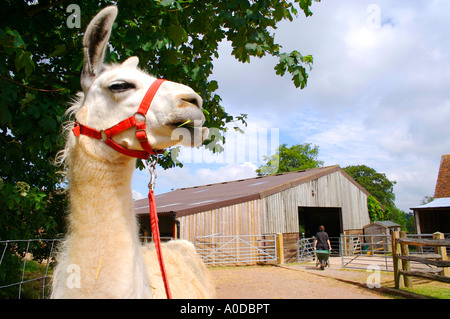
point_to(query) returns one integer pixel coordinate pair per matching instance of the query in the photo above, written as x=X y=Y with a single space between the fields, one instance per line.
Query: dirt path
x=271 y=282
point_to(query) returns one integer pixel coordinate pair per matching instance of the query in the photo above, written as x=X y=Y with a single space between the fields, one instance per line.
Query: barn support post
x=280 y=249
x=442 y=250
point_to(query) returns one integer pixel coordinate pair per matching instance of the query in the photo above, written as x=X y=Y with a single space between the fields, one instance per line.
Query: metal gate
x=305 y=250
x=217 y=249
x=362 y=251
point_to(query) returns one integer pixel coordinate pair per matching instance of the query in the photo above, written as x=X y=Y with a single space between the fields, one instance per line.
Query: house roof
x=384 y=223
x=186 y=201
x=435 y=204
x=443 y=180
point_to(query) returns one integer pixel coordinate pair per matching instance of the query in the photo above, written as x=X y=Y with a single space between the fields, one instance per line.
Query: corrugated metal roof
x=436 y=203
x=185 y=201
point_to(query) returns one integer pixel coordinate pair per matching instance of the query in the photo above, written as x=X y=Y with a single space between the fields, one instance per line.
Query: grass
x=29 y=289
x=33 y=289
x=431 y=289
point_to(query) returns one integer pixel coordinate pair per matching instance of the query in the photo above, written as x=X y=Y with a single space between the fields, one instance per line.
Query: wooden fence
x=437 y=264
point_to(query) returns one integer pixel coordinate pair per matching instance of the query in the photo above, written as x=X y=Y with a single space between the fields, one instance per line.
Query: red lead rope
x=157 y=240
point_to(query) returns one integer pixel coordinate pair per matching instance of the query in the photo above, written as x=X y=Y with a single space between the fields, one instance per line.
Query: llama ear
x=94 y=44
x=131 y=62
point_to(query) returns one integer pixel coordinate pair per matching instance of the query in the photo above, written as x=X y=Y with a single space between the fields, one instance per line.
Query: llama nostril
x=193 y=101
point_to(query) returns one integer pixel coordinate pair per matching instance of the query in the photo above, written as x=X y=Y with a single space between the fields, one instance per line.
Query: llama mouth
x=188 y=133
x=188 y=122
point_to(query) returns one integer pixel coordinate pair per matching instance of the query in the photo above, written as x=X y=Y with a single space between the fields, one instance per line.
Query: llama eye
x=120 y=87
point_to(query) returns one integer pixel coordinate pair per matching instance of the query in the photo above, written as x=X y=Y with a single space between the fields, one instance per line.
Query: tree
x=288 y=159
x=377 y=184
x=41 y=59
x=382 y=191
x=427 y=199
x=376 y=212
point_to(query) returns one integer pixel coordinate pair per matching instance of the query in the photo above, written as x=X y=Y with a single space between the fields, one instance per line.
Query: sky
x=377 y=95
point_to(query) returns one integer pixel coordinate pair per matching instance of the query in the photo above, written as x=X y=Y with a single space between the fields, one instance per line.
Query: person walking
x=322 y=241
x=322 y=246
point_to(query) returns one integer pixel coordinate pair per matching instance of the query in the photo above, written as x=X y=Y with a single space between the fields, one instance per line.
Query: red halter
x=106 y=137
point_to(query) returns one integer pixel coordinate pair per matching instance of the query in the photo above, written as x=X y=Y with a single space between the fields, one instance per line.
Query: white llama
x=102 y=257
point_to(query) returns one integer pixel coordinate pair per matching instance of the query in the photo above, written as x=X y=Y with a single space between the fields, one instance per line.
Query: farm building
x=375 y=235
x=294 y=204
x=435 y=215
x=385 y=227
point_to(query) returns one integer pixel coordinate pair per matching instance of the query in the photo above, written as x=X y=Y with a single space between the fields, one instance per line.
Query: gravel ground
x=291 y=282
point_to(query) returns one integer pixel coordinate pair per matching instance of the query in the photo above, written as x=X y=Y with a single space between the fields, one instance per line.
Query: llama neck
x=100 y=194
x=103 y=235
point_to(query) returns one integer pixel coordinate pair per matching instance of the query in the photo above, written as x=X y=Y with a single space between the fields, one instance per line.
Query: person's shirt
x=322 y=238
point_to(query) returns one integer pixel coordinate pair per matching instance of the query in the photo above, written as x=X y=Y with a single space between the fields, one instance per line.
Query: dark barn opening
x=434 y=220
x=310 y=218
x=168 y=226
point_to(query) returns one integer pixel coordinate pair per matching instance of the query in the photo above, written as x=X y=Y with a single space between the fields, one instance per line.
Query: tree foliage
x=381 y=204
x=289 y=159
x=376 y=212
x=41 y=59
x=377 y=184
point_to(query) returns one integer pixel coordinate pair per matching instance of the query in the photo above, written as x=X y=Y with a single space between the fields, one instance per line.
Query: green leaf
x=177 y=34
x=18 y=41
x=212 y=86
x=28 y=98
x=166 y=2
x=59 y=50
x=23 y=61
x=173 y=57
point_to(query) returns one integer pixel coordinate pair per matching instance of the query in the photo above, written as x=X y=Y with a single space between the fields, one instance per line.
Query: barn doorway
x=168 y=226
x=310 y=218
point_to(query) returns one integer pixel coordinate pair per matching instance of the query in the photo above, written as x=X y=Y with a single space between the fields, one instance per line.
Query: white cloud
x=136 y=195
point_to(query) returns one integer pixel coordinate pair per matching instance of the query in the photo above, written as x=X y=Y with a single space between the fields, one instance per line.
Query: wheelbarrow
x=322 y=258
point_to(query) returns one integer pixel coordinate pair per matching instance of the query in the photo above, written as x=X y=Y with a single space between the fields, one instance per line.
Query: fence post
x=441 y=250
x=406 y=264
x=398 y=278
x=280 y=249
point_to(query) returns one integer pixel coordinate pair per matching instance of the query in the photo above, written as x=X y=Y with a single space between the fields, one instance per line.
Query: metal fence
x=218 y=250
x=19 y=270
x=18 y=258
x=362 y=251
x=305 y=250
x=26 y=266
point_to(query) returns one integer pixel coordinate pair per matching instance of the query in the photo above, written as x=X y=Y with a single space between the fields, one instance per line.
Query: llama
x=101 y=256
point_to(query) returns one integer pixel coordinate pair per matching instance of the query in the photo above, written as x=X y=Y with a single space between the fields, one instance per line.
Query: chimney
x=443 y=180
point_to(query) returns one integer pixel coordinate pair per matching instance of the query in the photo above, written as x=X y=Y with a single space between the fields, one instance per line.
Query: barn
x=435 y=215
x=294 y=204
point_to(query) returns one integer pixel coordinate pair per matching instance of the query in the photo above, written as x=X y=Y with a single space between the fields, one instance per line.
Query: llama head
x=113 y=93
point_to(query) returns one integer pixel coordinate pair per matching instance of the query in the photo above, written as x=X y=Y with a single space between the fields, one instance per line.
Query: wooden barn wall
x=239 y=219
x=333 y=190
x=278 y=213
